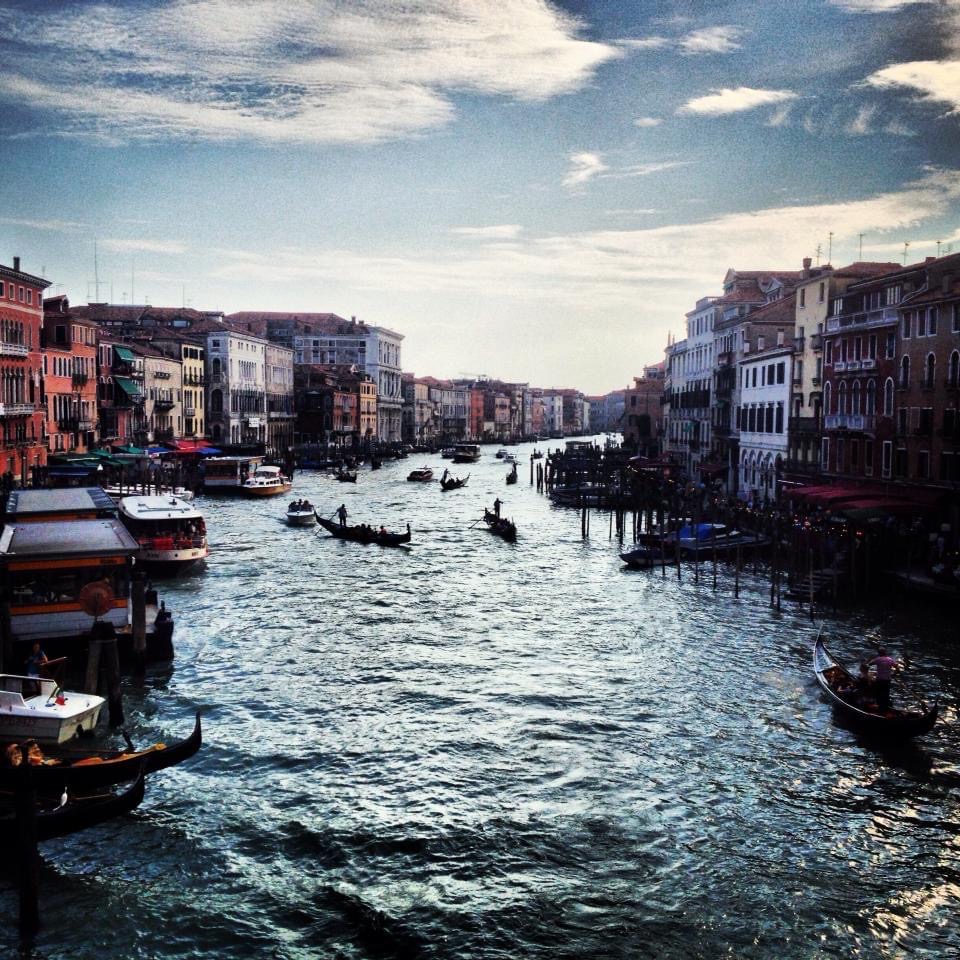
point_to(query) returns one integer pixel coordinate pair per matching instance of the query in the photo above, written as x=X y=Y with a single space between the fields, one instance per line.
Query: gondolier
x=342 y=514
x=885 y=665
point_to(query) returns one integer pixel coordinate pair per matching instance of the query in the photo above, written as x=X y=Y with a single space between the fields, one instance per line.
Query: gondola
x=346 y=476
x=75 y=814
x=512 y=475
x=500 y=526
x=453 y=483
x=375 y=463
x=835 y=681
x=360 y=534
x=88 y=770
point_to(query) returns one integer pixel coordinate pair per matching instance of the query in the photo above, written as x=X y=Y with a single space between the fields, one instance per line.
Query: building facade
x=236 y=398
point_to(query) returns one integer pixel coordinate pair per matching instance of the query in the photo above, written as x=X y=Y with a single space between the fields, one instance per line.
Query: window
x=900 y=462
x=891 y=351
x=1 y=288
x=803 y=296
x=887 y=462
x=906 y=325
x=902 y=417
x=921 y=323
x=781 y=371
x=29 y=296
x=825 y=453
x=932 y=318
x=956 y=318
x=842 y=398
x=828 y=354
x=854 y=455
x=888 y=398
x=870 y=398
x=868 y=457
x=953 y=372
x=892 y=295
x=904 y=373
x=840 y=449
x=779 y=419
x=872 y=347
x=827 y=390
x=823 y=288
x=855 y=399
x=930 y=371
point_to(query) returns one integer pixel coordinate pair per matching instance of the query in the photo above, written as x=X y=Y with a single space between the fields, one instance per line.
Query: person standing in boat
x=885 y=665
x=36 y=660
x=342 y=514
x=496 y=507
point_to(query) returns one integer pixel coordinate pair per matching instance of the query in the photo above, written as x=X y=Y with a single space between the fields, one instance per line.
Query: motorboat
x=466 y=453
x=448 y=453
x=704 y=539
x=420 y=475
x=171 y=532
x=301 y=513
x=36 y=708
x=267 y=481
x=501 y=453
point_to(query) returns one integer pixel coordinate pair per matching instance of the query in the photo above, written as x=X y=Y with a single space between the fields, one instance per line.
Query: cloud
x=286 y=71
x=711 y=40
x=898 y=129
x=583 y=167
x=725 y=101
x=502 y=231
x=861 y=123
x=645 y=169
x=876 y=6
x=646 y=43
x=55 y=226
x=936 y=81
x=667 y=267
x=781 y=116
x=146 y=246
x=644 y=122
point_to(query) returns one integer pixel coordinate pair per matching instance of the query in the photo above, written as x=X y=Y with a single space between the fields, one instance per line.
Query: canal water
x=471 y=749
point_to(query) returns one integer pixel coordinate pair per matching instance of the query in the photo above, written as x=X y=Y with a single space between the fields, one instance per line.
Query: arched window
x=905 y=372
x=888 y=398
x=953 y=374
x=870 y=399
x=842 y=398
x=216 y=432
x=930 y=370
x=215 y=369
x=216 y=400
x=826 y=398
x=855 y=399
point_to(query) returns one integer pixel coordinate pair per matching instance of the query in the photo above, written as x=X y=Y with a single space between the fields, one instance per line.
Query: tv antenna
x=906 y=247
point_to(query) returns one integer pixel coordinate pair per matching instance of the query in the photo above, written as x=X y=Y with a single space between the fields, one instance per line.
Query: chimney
x=761 y=342
x=16 y=264
x=779 y=338
x=807 y=262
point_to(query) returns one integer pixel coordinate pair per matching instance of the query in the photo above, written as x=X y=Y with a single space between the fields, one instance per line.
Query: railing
x=16 y=409
x=194 y=380
x=164 y=404
x=189 y=411
x=840 y=366
x=171 y=543
x=85 y=424
x=875 y=318
x=161 y=374
x=848 y=421
x=868 y=364
x=79 y=379
x=816 y=381
x=13 y=349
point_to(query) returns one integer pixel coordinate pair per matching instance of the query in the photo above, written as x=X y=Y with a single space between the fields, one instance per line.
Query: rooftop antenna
x=906 y=247
x=861 y=247
x=938 y=248
x=96 y=273
x=830 y=248
x=819 y=250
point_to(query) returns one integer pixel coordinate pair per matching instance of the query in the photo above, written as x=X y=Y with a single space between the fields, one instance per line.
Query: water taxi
x=267 y=481
x=301 y=513
x=171 y=532
x=227 y=474
x=466 y=453
x=36 y=708
x=420 y=475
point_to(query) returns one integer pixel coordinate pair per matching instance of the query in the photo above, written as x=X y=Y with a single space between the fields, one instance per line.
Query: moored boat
x=301 y=513
x=641 y=557
x=361 y=533
x=842 y=690
x=171 y=533
x=36 y=708
x=267 y=481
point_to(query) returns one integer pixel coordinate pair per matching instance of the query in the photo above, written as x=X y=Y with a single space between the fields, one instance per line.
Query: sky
x=529 y=190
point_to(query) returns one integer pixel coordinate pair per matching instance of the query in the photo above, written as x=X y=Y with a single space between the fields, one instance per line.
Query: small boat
x=58 y=769
x=448 y=453
x=500 y=526
x=466 y=453
x=346 y=476
x=267 y=481
x=840 y=687
x=36 y=708
x=75 y=814
x=501 y=453
x=512 y=475
x=375 y=463
x=420 y=475
x=361 y=533
x=453 y=483
x=301 y=513
x=171 y=532
x=643 y=558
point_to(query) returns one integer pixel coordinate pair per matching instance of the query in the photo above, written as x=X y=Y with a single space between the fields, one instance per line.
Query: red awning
x=188 y=446
x=878 y=506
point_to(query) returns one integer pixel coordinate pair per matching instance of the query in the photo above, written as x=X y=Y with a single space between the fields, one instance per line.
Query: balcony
x=192 y=380
x=79 y=379
x=840 y=366
x=808 y=426
x=816 y=342
x=875 y=318
x=868 y=364
x=161 y=374
x=816 y=381
x=848 y=421
x=163 y=404
x=16 y=409
x=13 y=349
x=189 y=411
x=85 y=425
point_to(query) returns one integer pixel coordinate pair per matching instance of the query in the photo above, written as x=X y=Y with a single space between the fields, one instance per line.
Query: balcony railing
x=161 y=374
x=13 y=349
x=163 y=404
x=16 y=409
x=189 y=411
x=192 y=380
x=79 y=379
x=875 y=318
x=85 y=425
x=848 y=421
x=869 y=363
x=840 y=366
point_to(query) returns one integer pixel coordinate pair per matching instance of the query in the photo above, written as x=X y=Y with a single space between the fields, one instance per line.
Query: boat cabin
x=69 y=503
x=466 y=453
x=228 y=474
x=171 y=532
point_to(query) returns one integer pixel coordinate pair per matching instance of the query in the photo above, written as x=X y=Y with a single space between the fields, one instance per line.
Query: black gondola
x=512 y=475
x=375 y=463
x=840 y=687
x=88 y=770
x=453 y=483
x=364 y=534
x=500 y=526
x=76 y=814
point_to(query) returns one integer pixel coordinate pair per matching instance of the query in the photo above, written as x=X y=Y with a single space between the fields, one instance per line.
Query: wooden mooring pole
x=28 y=859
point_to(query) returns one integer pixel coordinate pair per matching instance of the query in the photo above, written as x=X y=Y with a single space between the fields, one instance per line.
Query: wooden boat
x=65 y=768
x=500 y=526
x=512 y=475
x=363 y=534
x=643 y=558
x=301 y=513
x=453 y=483
x=840 y=687
x=171 y=532
x=346 y=476
x=375 y=463
x=36 y=708
x=420 y=475
x=75 y=814
x=267 y=481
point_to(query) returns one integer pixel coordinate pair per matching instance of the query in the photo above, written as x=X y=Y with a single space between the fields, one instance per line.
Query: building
x=69 y=379
x=278 y=385
x=189 y=349
x=22 y=413
x=120 y=393
x=236 y=399
x=643 y=404
x=162 y=393
x=421 y=414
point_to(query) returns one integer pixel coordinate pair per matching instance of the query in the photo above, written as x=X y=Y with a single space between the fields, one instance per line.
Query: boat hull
x=267 y=490
x=302 y=519
x=46 y=729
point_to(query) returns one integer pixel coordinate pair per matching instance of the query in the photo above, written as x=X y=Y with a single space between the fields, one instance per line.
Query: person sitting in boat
x=383 y=531
x=294 y=505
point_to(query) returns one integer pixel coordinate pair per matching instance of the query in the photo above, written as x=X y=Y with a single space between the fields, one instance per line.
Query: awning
x=69 y=471
x=132 y=451
x=209 y=452
x=188 y=446
x=124 y=354
x=868 y=508
x=157 y=451
x=129 y=387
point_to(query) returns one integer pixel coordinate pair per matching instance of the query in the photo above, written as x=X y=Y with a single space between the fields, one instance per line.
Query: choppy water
x=477 y=750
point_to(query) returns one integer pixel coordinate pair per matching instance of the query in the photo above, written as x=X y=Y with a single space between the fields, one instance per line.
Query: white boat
x=501 y=453
x=171 y=533
x=301 y=513
x=466 y=453
x=116 y=491
x=421 y=475
x=267 y=481
x=36 y=708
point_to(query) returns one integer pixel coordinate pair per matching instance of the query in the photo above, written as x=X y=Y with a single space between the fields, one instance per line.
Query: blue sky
x=531 y=190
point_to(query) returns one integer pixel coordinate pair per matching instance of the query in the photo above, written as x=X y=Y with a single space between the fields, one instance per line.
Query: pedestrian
x=885 y=665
